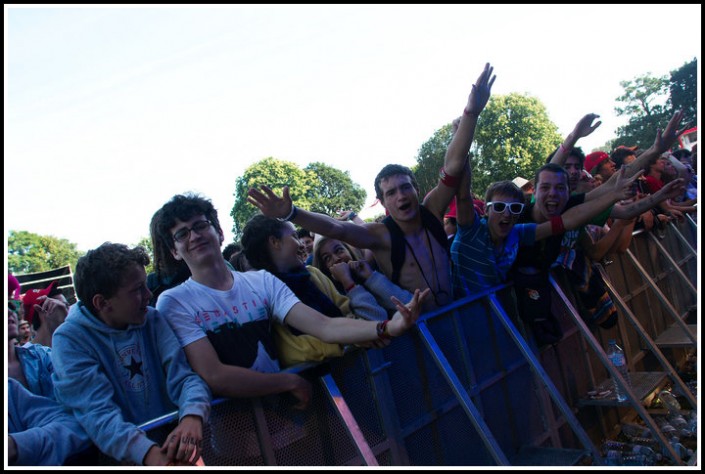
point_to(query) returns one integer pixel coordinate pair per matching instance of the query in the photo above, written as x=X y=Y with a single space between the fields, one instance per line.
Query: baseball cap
x=594 y=159
x=30 y=299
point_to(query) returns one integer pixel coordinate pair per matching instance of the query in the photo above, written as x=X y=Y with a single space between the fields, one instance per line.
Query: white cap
x=520 y=182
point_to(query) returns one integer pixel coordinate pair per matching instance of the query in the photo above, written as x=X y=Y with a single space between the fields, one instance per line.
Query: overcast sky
x=109 y=112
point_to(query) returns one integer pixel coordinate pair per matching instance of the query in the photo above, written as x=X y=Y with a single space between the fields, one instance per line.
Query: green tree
x=429 y=159
x=31 y=253
x=333 y=190
x=318 y=187
x=684 y=91
x=276 y=174
x=647 y=105
x=514 y=137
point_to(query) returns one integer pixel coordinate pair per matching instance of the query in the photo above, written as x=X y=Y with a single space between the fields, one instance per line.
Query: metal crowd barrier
x=466 y=387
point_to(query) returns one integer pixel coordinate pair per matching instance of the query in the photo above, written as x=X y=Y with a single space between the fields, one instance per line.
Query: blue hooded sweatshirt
x=44 y=433
x=116 y=379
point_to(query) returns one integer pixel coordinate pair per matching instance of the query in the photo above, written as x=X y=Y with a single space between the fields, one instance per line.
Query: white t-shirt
x=236 y=321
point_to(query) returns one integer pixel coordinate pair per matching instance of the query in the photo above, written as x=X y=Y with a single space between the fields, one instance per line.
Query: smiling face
x=399 y=197
x=287 y=252
x=551 y=195
x=129 y=303
x=198 y=247
x=333 y=251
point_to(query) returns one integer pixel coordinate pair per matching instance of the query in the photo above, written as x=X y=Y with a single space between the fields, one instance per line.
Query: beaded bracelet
x=291 y=215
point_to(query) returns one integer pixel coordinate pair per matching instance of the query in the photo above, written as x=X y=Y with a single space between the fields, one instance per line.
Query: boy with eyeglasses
x=222 y=317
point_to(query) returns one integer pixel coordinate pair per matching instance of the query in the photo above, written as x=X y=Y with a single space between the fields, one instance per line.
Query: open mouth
x=551 y=207
x=405 y=207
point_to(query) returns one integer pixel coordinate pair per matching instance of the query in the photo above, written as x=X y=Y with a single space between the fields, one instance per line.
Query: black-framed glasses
x=185 y=232
x=499 y=206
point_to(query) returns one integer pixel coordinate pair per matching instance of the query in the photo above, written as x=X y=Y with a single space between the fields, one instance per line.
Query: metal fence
x=463 y=388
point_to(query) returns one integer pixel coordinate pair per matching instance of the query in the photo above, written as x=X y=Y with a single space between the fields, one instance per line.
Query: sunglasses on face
x=499 y=206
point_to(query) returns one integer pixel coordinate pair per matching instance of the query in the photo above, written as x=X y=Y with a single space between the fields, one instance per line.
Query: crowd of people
x=302 y=286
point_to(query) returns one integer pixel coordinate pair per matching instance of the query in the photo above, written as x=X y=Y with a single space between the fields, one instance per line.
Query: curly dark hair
x=101 y=271
x=255 y=239
x=182 y=207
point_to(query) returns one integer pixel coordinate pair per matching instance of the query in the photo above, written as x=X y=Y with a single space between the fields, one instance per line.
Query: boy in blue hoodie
x=118 y=363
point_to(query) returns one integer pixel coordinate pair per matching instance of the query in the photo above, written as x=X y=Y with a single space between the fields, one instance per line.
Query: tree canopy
x=318 y=187
x=684 y=91
x=650 y=101
x=32 y=253
x=514 y=136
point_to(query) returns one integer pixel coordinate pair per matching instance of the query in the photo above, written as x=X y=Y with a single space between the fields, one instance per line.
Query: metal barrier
x=466 y=388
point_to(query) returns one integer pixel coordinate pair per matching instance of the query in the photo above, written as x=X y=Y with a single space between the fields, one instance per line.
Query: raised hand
x=623 y=185
x=407 y=314
x=666 y=138
x=480 y=93
x=585 y=127
x=670 y=190
x=269 y=203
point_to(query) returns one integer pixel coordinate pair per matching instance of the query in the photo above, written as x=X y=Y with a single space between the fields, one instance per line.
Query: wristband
x=448 y=180
x=470 y=113
x=352 y=216
x=565 y=150
x=291 y=216
x=557 y=225
x=382 y=332
x=347 y=290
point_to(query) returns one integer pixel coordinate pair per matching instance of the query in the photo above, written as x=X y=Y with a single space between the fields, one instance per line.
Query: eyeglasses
x=499 y=206
x=184 y=233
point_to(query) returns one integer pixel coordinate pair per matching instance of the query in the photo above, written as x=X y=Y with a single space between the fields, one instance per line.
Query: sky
x=111 y=111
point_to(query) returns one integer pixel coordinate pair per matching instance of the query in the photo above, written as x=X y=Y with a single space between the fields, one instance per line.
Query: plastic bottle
x=616 y=356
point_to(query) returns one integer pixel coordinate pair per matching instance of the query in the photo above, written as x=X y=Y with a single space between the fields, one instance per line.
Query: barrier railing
x=466 y=388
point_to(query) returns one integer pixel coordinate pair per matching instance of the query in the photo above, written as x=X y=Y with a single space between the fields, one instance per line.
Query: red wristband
x=557 y=225
x=448 y=180
x=347 y=290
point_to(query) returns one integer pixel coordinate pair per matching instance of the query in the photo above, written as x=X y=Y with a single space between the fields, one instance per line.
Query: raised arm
x=580 y=215
x=617 y=238
x=583 y=128
x=457 y=153
x=465 y=213
x=282 y=207
x=633 y=209
x=663 y=142
x=353 y=331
